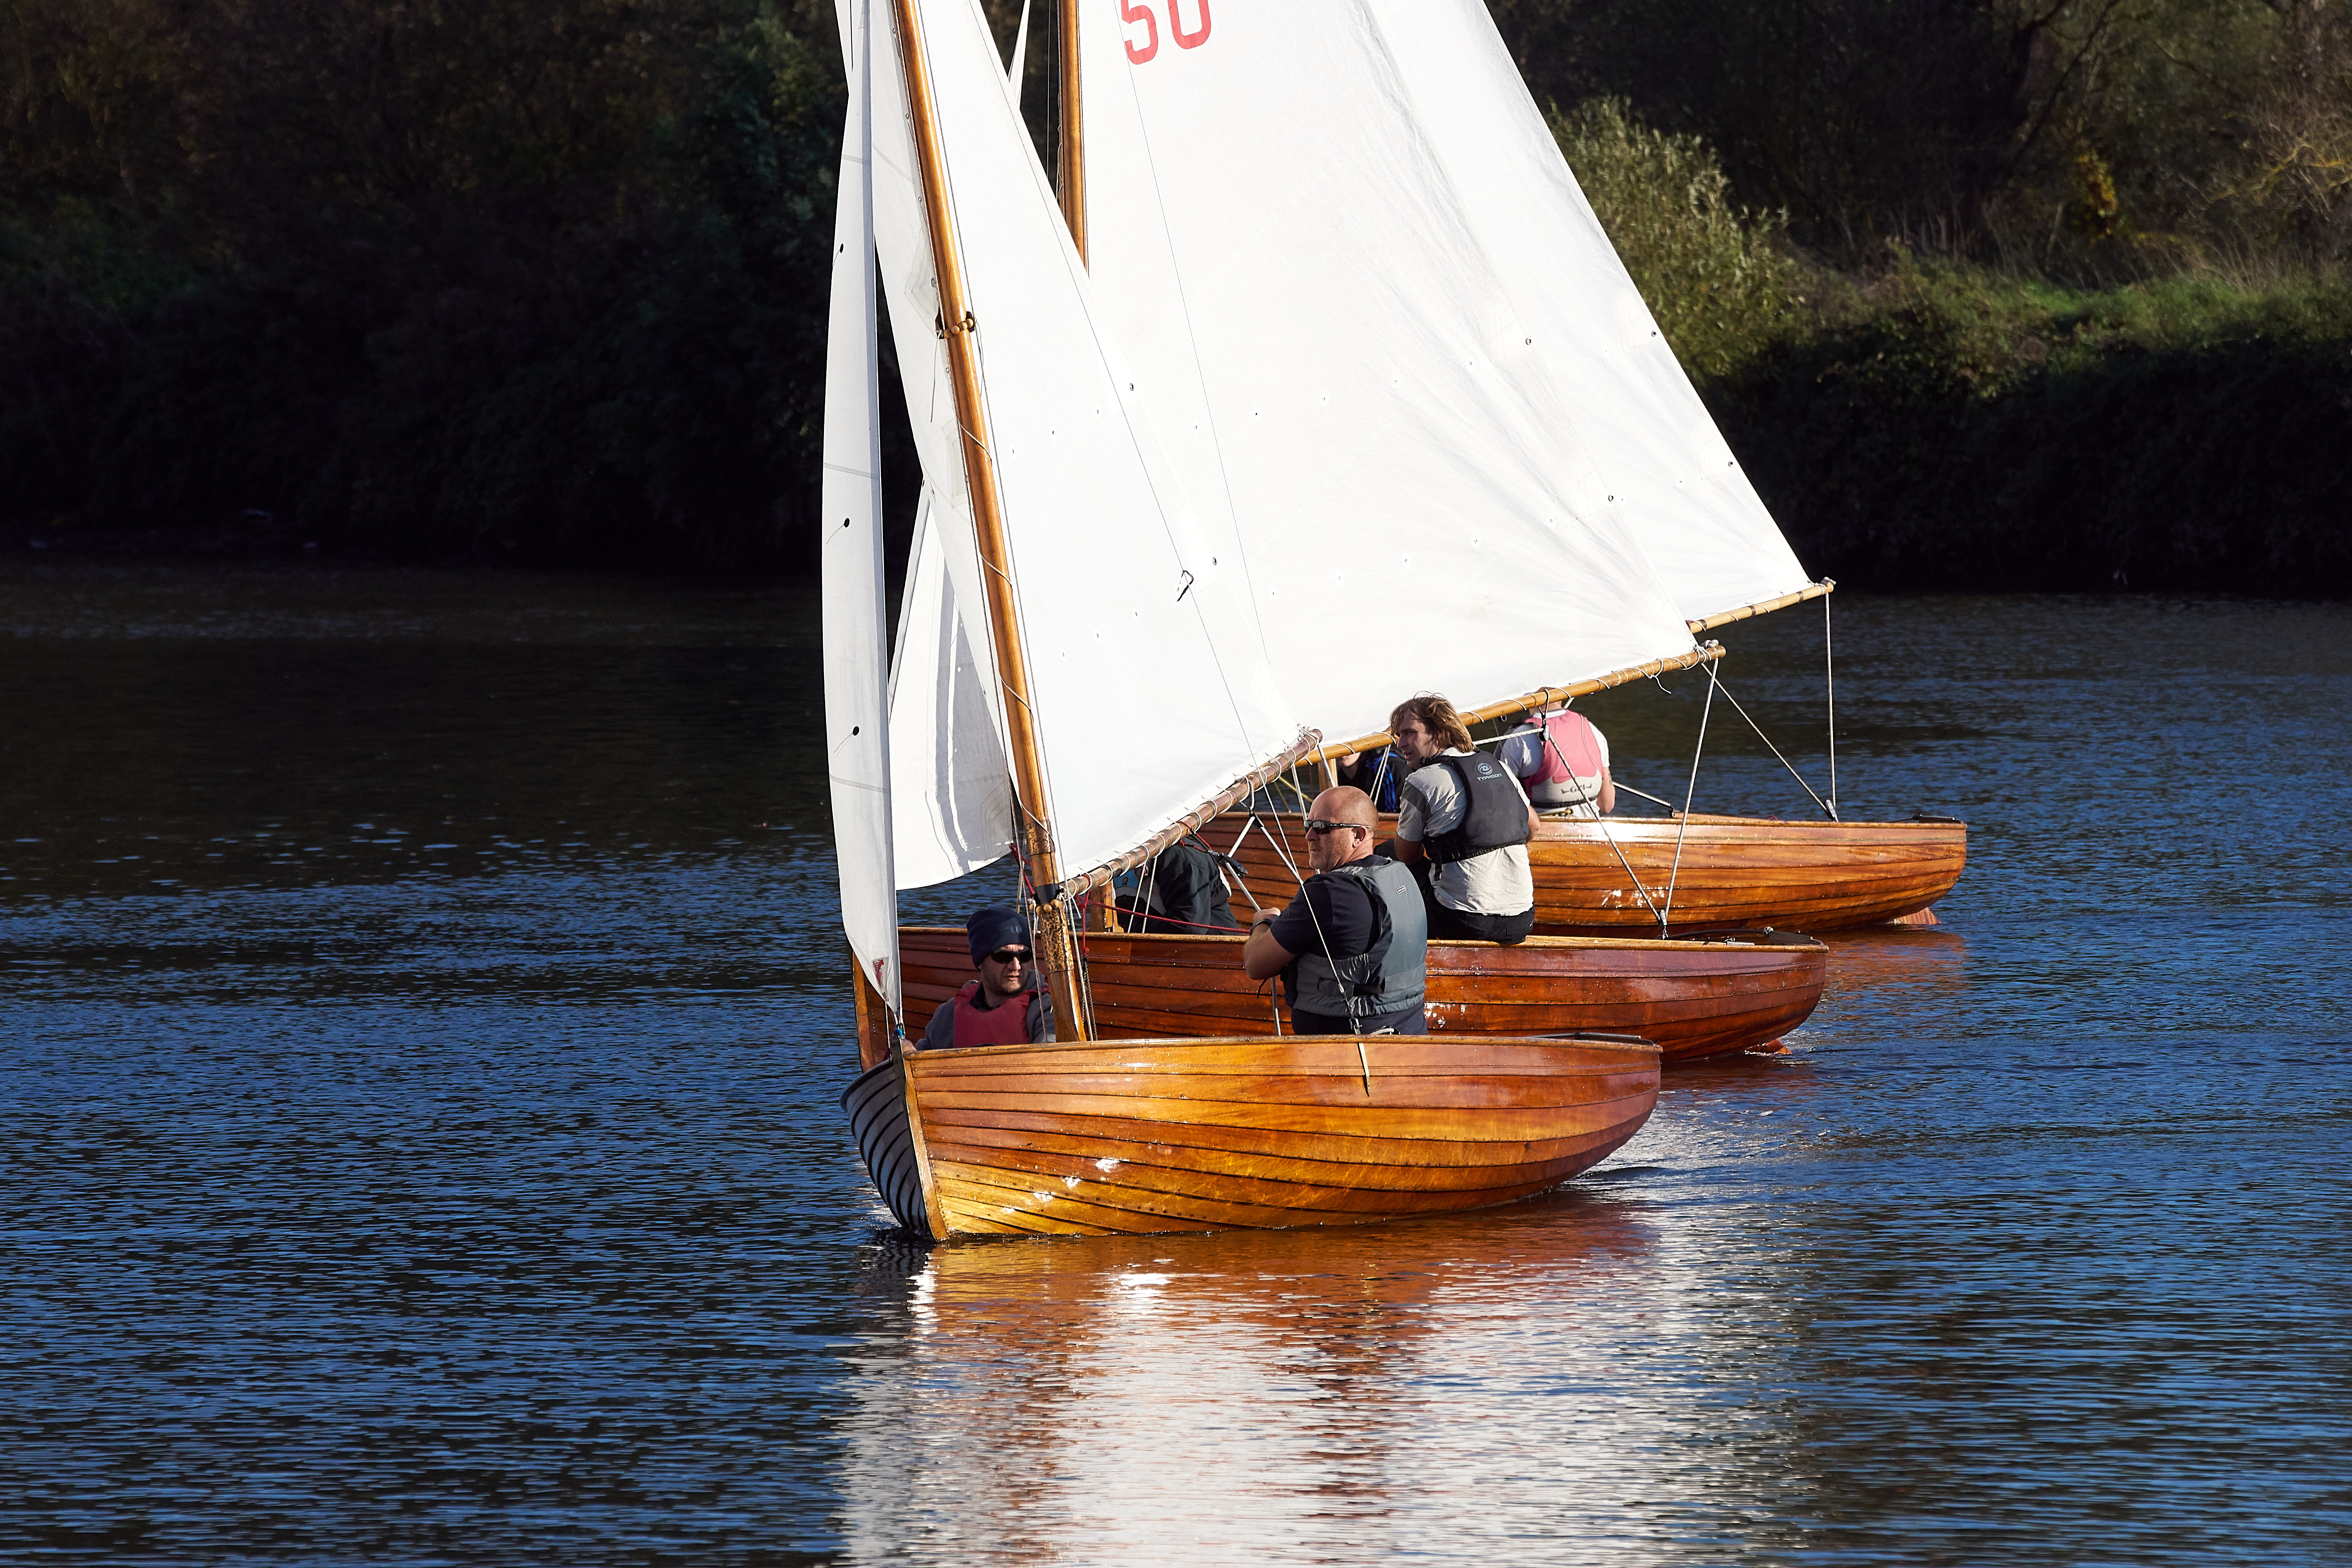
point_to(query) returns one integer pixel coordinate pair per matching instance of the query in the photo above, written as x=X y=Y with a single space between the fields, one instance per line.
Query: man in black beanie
x=1005 y=1006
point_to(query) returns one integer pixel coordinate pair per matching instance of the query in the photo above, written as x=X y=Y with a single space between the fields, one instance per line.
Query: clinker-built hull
x=1693 y=999
x=1734 y=870
x=1135 y=1137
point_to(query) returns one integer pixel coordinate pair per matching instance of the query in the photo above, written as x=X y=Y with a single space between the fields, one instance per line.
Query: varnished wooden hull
x=1735 y=870
x=1694 y=999
x=1136 y=1137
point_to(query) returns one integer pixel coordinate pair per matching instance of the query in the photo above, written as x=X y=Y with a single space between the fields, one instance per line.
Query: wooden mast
x=1054 y=938
x=1069 y=128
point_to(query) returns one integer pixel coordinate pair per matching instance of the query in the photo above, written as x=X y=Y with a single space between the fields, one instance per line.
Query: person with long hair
x=1463 y=827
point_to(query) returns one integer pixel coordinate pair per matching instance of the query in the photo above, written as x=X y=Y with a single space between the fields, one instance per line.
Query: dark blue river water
x=422 y=1019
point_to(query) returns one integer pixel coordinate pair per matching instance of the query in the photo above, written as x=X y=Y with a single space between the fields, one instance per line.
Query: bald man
x=1352 y=948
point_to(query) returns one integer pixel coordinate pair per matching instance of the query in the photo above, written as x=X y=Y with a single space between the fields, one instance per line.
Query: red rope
x=1117 y=910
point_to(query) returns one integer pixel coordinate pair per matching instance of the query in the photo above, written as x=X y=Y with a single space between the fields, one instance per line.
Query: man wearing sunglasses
x=1005 y=1006
x=1352 y=948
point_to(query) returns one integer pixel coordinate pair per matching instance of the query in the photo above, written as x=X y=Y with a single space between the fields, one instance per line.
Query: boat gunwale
x=1716 y=936
x=1634 y=1044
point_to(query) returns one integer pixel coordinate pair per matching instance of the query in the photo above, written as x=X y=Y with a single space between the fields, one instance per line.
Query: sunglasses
x=1317 y=827
x=1009 y=955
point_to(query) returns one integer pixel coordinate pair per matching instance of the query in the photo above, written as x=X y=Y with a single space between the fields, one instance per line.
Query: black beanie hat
x=995 y=927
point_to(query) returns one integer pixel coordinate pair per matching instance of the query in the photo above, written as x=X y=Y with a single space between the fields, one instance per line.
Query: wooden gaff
x=1820 y=590
x=1052 y=937
x=1542 y=696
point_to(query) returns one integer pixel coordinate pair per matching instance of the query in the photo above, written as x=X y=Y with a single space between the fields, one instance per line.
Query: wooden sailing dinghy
x=1061 y=576
x=1097 y=1138
x=1691 y=999
x=1620 y=875
x=1328 y=281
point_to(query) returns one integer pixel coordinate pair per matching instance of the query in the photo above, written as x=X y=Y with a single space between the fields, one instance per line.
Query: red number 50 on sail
x=1129 y=12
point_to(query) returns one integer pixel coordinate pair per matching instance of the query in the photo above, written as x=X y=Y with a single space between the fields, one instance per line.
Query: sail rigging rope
x=1683 y=825
x=1625 y=788
x=1355 y=1003
x=1761 y=735
x=1829 y=680
x=1147 y=911
x=1639 y=887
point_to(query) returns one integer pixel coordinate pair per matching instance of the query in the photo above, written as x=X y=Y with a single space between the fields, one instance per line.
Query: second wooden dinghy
x=1693 y=999
x=1611 y=878
x=1134 y=1137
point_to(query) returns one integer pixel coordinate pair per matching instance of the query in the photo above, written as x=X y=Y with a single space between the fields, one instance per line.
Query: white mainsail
x=857 y=699
x=1147 y=683
x=1304 y=289
x=1684 y=495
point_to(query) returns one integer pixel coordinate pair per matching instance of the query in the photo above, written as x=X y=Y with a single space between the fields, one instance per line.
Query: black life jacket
x=1494 y=813
x=1184 y=893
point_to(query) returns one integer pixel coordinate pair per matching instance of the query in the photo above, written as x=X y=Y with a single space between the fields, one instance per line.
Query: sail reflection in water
x=1354 y=1392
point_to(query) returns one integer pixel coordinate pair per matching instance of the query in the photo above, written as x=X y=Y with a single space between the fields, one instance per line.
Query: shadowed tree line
x=530 y=278
x=2027 y=292
x=2100 y=140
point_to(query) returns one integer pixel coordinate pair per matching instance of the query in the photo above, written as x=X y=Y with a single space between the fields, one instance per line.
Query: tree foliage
x=2096 y=138
x=1720 y=290
x=546 y=278
x=531 y=278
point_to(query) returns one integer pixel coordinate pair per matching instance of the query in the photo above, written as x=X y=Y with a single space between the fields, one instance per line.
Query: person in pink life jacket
x=1563 y=761
x=1007 y=1006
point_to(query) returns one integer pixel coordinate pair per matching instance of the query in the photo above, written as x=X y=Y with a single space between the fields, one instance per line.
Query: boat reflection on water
x=1894 y=979
x=1343 y=1389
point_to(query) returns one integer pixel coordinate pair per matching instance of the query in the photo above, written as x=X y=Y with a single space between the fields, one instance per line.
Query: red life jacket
x=1572 y=750
x=1007 y=1023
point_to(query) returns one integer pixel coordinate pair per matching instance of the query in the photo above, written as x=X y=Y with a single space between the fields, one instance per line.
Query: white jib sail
x=1019 y=65
x=857 y=697
x=1297 y=281
x=1144 y=659
x=951 y=784
x=1684 y=495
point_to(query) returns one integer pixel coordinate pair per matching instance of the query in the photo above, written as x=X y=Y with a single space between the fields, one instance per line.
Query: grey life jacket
x=1391 y=975
x=1494 y=811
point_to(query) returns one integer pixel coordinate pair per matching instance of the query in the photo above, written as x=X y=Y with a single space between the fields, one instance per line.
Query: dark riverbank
x=1967 y=431
x=1954 y=431
x=555 y=296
